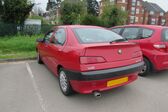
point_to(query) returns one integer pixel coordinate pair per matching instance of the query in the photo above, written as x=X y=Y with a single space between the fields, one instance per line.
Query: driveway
x=30 y=87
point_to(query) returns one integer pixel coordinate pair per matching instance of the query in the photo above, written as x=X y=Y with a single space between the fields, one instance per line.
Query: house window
x=123 y=8
x=123 y=1
x=136 y=19
x=153 y=21
x=163 y=22
x=151 y=12
x=142 y=11
x=133 y=10
x=132 y=18
x=142 y=19
x=137 y=11
x=133 y=2
x=138 y=3
x=161 y=14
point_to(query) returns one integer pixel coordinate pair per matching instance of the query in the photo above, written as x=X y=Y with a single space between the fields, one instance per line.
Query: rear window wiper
x=118 y=40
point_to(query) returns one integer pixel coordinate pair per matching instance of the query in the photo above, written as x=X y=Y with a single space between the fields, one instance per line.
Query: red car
x=89 y=58
x=153 y=41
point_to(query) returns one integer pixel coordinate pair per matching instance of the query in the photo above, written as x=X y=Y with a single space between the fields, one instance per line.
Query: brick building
x=140 y=12
x=154 y=14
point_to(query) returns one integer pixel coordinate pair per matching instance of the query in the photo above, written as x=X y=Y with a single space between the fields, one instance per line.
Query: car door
x=43 y=47
x=131 y=34
x=144 y=38
x=55 y=51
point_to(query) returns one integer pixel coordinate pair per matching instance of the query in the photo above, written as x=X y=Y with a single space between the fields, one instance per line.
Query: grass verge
x=17 y=47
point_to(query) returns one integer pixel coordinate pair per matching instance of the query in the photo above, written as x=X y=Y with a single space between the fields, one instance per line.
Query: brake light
x=91 y=60
x=161 y=47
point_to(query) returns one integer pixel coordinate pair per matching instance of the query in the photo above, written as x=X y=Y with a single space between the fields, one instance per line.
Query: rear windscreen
x=95 y=35
x=165 y=34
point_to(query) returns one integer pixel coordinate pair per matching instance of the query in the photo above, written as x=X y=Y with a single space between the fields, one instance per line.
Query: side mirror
x=40 y=40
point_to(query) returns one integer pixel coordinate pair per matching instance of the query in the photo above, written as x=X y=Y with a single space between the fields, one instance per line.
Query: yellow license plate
x=117 y=81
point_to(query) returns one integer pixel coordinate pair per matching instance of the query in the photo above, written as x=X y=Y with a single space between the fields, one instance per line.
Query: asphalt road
x=29 y=87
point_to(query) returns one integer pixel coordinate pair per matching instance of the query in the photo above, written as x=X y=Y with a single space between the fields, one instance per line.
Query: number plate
x=117 y=81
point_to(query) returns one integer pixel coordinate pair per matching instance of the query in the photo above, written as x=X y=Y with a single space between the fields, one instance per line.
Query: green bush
x=114 y=16
x=45 y=28
x=92 y=20
x=7 y=29
x=71 y=12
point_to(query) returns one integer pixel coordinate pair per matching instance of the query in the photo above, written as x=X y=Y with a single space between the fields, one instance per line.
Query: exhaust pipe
x=97 y=94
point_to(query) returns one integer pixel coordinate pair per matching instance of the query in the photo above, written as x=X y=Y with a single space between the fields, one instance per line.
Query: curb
x=16 y=60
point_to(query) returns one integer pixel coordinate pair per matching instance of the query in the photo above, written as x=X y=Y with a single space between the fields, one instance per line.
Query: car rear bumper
x=104 y=74
x=88 y=82
x=87 y=87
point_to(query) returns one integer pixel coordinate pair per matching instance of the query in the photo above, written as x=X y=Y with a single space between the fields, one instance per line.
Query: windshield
x=95 y=35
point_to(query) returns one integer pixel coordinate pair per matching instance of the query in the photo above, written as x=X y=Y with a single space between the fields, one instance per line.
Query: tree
x=71 y=12
x=114 y=16
x=93 y=7
x=92 y=20
x=15 y=11
x=53 y=4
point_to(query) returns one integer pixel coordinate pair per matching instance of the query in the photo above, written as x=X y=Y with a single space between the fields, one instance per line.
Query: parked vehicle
x=89 y=59
x=153 y=41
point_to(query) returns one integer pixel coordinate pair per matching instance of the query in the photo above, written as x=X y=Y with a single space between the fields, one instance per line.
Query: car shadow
x=158 y=74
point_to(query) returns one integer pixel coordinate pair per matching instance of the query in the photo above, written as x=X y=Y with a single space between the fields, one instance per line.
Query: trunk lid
x=113 y=52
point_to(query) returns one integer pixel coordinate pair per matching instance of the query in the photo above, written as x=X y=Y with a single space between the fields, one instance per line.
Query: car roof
x=77 y=26
x=144 y=26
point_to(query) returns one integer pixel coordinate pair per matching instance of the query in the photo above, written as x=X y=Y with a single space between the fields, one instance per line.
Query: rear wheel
x=64 y=83
x=39 y=60
x=146 y=68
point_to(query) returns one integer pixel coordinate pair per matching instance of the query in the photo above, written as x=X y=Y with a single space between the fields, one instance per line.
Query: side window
x=146 y=33
x=165 y=35
x=60 y=36
x=131 y=33
x=48 y=36
x=117 y=30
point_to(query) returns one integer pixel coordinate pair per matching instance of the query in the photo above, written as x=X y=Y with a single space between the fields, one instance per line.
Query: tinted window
x=95 y=35
x=146 y=33
x=165 y=34
x=117 y=30
x=130 y=33
x=60 y=36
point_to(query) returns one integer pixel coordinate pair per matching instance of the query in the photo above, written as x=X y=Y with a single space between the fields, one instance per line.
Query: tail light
x=91 y=60
x=161 y=47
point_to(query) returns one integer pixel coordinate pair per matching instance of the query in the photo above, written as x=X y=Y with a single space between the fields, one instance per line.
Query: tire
x=147 y=68
x=39 y=60
x=64 y=83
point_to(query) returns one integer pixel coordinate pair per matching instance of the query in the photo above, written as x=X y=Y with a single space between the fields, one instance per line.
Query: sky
x=162 y=3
